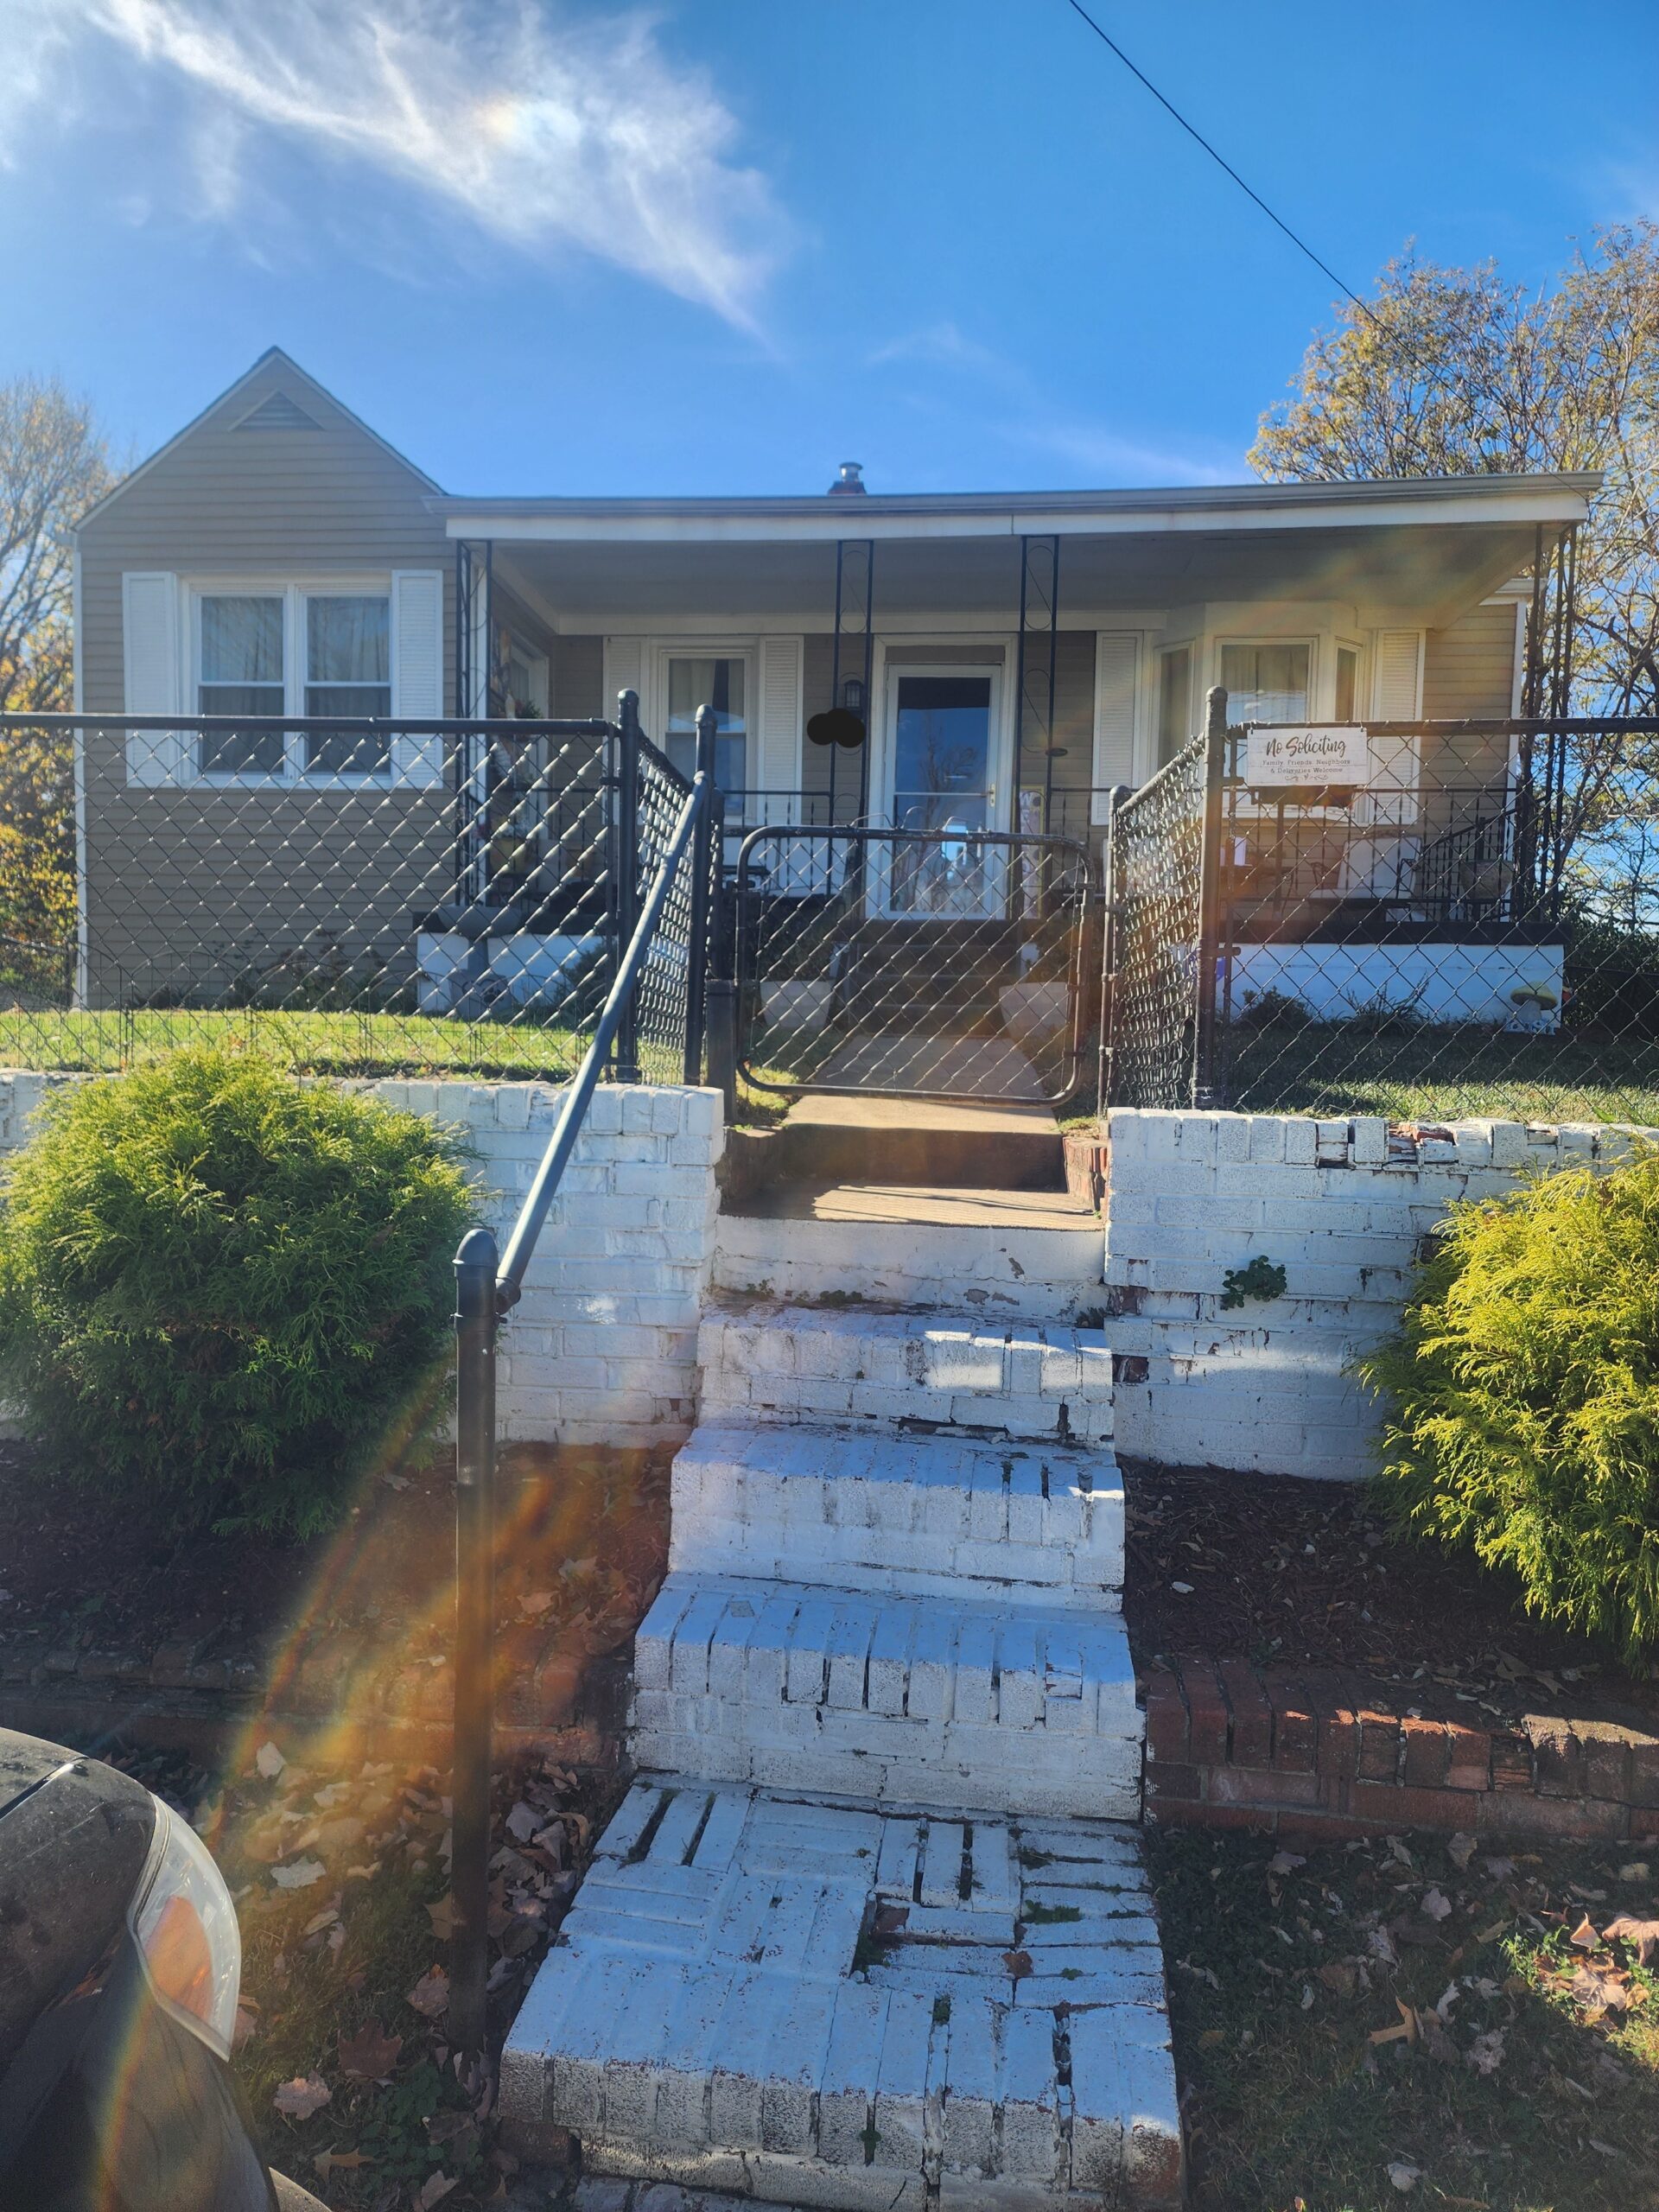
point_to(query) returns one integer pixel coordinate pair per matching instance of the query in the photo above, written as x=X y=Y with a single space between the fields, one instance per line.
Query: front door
x=941 y=762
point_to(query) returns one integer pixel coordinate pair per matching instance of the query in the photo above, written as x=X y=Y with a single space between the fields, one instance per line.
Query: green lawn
x=1442 y=1075
x=311 y=1044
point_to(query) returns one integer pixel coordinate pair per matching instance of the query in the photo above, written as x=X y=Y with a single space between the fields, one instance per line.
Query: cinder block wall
x=1343 y=1206
x=602 y=1348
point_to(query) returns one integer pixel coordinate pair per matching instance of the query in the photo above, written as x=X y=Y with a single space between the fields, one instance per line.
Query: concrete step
x=902 y=1700
x=924 y=1515
x=816 y=2003
x=783 y=1362
x=998 y=1255
x=869 y=1138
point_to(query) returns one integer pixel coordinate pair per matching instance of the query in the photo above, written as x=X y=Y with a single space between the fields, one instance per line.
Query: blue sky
x=722 y=245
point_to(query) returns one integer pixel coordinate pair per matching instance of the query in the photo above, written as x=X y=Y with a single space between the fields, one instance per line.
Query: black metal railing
x=645 y=994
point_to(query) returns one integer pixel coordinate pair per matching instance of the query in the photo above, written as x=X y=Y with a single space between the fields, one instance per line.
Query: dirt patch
x=1286 y=1571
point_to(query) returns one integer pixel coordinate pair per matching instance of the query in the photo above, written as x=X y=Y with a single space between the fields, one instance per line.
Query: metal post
x=627 y=872
x=1203 y=1028
x=704 y=848
x=1040 y=614
x=469 y=1874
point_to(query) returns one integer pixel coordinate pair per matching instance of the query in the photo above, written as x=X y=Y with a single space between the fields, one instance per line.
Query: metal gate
x=920 y=963
x=1158 y=1036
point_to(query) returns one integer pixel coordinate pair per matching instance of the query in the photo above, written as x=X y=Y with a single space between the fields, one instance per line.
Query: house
x=1012 y=657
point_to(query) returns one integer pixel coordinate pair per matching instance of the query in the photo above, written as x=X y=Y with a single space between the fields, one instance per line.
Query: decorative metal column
x=853 y=668
x=1039 y=612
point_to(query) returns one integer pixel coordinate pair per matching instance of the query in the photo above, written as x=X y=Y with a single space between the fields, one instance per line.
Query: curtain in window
x=241 y=674
x=1265 y=683
x=348 y=671
x=713 y=681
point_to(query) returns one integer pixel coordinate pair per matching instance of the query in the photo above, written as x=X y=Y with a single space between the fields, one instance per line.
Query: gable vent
x=279 y=412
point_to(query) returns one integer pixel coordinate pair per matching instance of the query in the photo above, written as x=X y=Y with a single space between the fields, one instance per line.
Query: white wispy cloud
x=546 y=130
x=1025 y=416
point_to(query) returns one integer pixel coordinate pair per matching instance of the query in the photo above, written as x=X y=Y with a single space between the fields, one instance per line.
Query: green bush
x=1525 y=1388
x=225 y=1287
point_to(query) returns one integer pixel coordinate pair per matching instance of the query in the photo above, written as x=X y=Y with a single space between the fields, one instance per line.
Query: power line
x=1221 y=160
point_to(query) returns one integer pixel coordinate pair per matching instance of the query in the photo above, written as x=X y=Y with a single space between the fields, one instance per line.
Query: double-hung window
x=312 y=654
x=243 y=648
x=348 y=671
x=716 y=680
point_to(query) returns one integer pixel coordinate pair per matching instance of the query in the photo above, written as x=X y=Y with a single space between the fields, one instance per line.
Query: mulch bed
x=582 y=1537
x=1286 y=1571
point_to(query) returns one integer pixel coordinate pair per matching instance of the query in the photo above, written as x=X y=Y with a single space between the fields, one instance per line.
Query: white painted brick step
x=899 y=1700
x=941 y=1514
x=842 y=2018
x=993 y=1273
x=778 y=1362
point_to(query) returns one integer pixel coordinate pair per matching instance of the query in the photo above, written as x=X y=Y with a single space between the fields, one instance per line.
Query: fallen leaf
x=1403 y=2174
x=442 y=1917
x=1339 y=1976
x=339 y=2162
x=1485 y=2054
x=430 y=1995
x=1284 y=1862
x=269 y=1760
x=1182 y=1589
x=438 y=2187
x=247 y=2022
x=535 y=1603
x=1491 y=1934
x=370 y=2054
x=1584 y=1937
x=299 y=2099
x=522 y=1823
x=325 y=1918
x=1437 y=1905
x=1018 y=1964
x=1210 y=2037
x=1634 y=1869
x=1460 y=1850
x=298 y=1874
x=1643 y=1933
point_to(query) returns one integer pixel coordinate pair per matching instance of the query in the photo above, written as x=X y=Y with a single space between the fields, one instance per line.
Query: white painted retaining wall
x=602 y=1348
x=1436 y=982
x=1342 y=1206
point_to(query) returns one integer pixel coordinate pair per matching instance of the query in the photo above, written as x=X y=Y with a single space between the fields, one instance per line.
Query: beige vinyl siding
x=578 y=677
x=181 y=880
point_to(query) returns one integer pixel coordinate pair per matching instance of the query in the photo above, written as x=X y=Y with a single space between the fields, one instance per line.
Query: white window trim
x=658 y=651
x=1004 y=767
x=295 y=592
x=1319 y=654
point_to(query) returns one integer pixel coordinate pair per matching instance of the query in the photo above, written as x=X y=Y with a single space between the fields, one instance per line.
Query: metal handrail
x=488 y=1284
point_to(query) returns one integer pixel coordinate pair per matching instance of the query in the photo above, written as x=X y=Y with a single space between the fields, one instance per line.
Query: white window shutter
x=1117 y=654
x=418 y=672
x=625 y=670
x=775 y=762
x=1396 y=696
x=150 y=641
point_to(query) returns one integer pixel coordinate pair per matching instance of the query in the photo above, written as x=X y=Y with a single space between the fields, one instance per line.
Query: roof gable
x=285 y=409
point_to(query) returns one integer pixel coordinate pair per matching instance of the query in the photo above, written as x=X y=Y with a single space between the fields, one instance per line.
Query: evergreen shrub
x=1524 y=1382
x=225 y=1289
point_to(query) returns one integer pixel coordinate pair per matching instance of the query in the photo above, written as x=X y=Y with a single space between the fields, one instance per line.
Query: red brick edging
x=1324 y=1753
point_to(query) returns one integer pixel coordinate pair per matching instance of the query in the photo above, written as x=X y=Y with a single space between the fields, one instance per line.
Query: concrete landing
x=953 y=1205
x=823 y=2004
x=941 y=1141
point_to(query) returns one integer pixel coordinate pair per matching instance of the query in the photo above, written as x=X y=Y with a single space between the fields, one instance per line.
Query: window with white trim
x=716 y=680
x=1266 y=681
x=294 y=651
x=347 y=672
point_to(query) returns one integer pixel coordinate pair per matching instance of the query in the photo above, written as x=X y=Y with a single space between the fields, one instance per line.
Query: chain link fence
x=1438 y=920
x=941 y=962
x=354 y=898
x=1155 y=954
